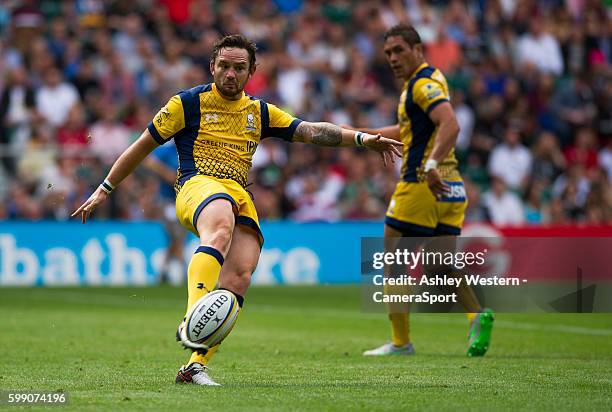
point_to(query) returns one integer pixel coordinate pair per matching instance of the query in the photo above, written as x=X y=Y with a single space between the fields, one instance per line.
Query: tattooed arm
x=323 y=134
x=328 y=134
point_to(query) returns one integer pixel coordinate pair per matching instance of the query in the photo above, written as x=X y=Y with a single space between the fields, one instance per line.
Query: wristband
x=430 y=164
x=107 y=186
x=359 y=139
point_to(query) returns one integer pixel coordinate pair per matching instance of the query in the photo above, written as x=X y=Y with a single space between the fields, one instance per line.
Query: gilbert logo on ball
x=212 y=318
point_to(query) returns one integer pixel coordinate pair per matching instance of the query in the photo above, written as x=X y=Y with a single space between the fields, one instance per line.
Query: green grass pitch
x=294 y=348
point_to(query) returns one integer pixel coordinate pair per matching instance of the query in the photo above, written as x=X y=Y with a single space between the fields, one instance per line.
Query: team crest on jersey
x=250 y=122
x=431 y=92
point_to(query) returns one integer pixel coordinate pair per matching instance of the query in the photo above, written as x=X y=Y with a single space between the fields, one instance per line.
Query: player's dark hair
x=408 y=33
x=237 y=41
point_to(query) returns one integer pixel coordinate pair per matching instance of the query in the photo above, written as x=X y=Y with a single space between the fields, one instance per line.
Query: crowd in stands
x=531 y=84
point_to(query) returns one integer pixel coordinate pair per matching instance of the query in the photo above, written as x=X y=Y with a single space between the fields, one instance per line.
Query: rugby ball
x=209 y=320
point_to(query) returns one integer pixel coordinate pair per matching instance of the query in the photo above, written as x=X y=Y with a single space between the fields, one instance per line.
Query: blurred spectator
x=444 y=53
x=574 y=106
x=269 y=152
x=289 y=72
x=535 y=212
x=503 y=206
x=583 y=151
x=55 y=98
x=86 y=81
x=548 y=160
x=511 y=161
x=73 y=133
x=572 y=188
x=117 y=84
x=17 y=111
x=465 y=118
x=38 y=154
x=21 y=205
x=176 y=68
x=109 y=138
x=359 y=197
x=315 y=201
x=605 y=159
x=27 y=24
x=475 y=211
x=539 y=48
x=361 y=86
x=599 y=201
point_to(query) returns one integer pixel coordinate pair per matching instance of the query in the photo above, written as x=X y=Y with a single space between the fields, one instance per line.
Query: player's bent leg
x=215 y=225
x=235 y=275
x=241 y=261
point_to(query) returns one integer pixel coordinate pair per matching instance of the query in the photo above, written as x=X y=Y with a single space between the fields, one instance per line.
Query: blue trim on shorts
x=207 y=201
x=445 y=230
x=247 y=221
x=212 y=252
x=409 y=229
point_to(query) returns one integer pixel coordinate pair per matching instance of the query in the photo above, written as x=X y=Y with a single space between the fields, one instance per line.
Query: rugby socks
x=203 y=273
x=398 y=315
x=202 y=278
x=203 y=359
x=400 y=329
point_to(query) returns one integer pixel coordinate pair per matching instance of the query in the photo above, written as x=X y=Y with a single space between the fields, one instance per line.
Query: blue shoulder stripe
x=265 y=120
x=186 y=138
x=425 y=72
x=191 y=103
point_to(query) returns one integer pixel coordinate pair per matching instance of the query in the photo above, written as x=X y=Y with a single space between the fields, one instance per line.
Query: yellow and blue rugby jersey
x=425 y=89
x=215 y=136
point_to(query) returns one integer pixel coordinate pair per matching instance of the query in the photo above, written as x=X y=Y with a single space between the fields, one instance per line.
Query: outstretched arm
x=392 y=131
x=328 y=134
x=123 y=166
